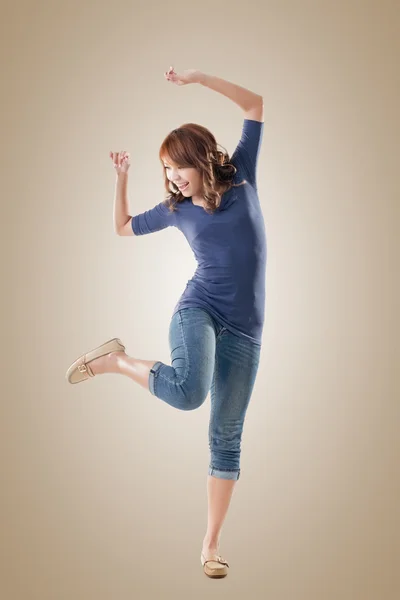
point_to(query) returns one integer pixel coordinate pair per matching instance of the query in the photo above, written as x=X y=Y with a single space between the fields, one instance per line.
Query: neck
x=198 y=199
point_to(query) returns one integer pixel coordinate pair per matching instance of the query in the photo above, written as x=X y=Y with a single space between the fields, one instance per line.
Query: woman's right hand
x=121 y=161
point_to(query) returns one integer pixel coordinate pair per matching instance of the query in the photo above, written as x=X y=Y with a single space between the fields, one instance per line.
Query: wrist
x=201 y=78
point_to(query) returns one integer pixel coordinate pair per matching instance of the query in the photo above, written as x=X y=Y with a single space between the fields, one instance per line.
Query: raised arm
x=154 y=219
x=122 y=218
x=251 y=103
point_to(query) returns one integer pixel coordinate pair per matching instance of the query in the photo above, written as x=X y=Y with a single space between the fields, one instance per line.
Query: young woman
x=216 y=326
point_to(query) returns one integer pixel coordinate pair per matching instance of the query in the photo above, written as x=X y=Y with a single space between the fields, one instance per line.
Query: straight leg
x=236 y=366
x=219 y=493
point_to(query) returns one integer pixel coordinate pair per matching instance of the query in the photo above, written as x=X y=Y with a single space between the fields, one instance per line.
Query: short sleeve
x=245 y=156
x=157 y=218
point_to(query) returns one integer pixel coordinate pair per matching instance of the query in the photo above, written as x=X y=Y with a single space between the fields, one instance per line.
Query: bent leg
x=122 y=364
x=186 y=382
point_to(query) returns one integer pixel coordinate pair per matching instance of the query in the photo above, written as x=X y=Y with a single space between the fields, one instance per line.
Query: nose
x=175 y=177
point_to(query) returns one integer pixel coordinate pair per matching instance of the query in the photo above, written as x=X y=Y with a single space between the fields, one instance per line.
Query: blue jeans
x=204 y=356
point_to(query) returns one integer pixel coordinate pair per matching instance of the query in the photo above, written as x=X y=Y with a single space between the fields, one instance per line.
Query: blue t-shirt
x=229 y=245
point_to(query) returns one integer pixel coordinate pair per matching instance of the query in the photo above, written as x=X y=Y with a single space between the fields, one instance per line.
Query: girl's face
x=188 y=179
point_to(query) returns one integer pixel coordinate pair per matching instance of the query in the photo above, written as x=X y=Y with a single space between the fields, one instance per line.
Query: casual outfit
x=229 y=245
x=216 y=327
x=207 y=356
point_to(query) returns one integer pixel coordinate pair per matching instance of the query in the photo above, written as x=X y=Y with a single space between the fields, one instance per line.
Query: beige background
x=103 y=491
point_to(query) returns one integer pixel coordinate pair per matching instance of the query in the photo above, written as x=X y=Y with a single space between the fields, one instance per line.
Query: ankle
x=211 y=543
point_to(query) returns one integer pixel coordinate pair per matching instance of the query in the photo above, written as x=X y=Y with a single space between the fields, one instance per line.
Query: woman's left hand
x=188 y=76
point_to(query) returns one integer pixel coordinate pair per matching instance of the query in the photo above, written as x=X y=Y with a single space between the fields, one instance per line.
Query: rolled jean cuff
x=224 y=474
x=152 y=376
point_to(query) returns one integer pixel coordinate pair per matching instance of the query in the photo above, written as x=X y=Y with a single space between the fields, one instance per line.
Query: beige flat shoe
x=80 y=369
x=215 y=566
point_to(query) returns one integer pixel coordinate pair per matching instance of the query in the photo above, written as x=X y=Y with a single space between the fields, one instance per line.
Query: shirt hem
x=221 y=320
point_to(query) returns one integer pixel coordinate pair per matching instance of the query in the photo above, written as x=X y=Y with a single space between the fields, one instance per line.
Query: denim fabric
x=205 y=357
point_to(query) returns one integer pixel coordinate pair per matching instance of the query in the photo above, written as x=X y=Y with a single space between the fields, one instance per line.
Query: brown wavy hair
x=193 y=145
